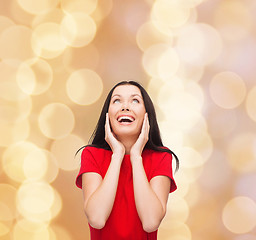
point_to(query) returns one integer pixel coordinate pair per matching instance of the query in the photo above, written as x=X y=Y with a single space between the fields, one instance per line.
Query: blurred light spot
x=5 y=23
x=13 y=132
x=187 y=154
x=56 y=120
x=37 y=7
x=53 y=169
x=148 y=35
x=194 y=41
x=103 y=10
x=35 y=197
x=190 y=72
x=35 y=170
x=169 y=14
x=198 y=138
x=160 y=60
x=13 y=159
x=65 y=157
x=251 y=104
x=177 y=230
x=208 y=181
x=9 y=89
x=85 y=6
x=181 y=107
x=29 y=230
x=54 y=16
x=241 y=153
x=190 y=3
x=3 y=229
x=47 y=41
x=10 y=48
x=56 y=206
x=7 y=202
x=177 y=210
x=84 y=87
x=246 y=186
x=78 y=29
x=239 y=215
x=15 y=111
x=227 y=90
x=61 y=233
x=34 y=76
x=233 y=19
x=245 y=237
x=217 y=120
x=77 y=58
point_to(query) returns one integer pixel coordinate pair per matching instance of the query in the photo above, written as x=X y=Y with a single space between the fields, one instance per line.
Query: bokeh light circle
x=241 y=153
x=149 y=35
x=30 y=230
x=9 y=89
x=35 y=170
x=78 y=29
x=56 y=120
x=13 y=159
x=160 y=60
x=169 y=14
x=13 y=132
x=71 y=144
x=34 y=76
x=35 y=197
x=227 y=90
x=85 y=6
x=7 y=202
x=239 y=215
x=193 y=44
x=84 y=87
x=47 y=41
x=251 y=104
x=37 y=6
x=10 y=48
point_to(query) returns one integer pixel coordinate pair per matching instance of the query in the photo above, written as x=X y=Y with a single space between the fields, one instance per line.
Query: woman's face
x=126 y=111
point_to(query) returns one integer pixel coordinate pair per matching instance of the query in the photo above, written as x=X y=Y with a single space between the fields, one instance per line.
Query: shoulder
x=163 y=152
x=95 y=153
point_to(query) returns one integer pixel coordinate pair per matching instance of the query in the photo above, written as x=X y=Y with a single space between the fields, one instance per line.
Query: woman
x=126 y=173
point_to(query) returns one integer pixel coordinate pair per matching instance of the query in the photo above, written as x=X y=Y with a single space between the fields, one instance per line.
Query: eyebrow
x=133 y=95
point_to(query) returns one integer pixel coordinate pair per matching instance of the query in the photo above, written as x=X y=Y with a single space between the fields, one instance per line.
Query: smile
x=125 y=119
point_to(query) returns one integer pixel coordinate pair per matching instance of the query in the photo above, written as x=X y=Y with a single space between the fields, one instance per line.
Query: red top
x=124 y=222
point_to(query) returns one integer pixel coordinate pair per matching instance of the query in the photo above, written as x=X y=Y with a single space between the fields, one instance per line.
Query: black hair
x=97 y=138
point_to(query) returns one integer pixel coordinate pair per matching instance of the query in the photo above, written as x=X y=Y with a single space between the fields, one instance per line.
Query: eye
x=116 y=101
x=135 y=100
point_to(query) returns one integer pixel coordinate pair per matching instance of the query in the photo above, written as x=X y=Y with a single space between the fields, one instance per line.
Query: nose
x=125 y=107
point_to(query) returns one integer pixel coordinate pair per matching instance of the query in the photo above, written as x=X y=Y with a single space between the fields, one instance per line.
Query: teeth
x=125 y=118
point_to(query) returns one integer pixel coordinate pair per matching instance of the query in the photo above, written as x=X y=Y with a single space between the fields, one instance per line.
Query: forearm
x=100 y=204
x=149 y=207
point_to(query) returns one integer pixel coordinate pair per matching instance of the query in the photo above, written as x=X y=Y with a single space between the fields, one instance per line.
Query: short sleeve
x=88 y=164
x=163 y=166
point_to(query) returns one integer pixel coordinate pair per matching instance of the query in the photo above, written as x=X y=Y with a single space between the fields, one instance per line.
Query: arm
x=99 y=194
x=150 y=198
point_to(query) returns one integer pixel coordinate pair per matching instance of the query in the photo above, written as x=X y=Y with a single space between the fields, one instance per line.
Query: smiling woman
x=126 y=172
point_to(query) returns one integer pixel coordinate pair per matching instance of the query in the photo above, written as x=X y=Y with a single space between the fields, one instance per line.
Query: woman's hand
x=139 y=145
x=116 y=146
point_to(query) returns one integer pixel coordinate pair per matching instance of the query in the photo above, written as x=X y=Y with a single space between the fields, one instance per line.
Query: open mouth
x=125 y=119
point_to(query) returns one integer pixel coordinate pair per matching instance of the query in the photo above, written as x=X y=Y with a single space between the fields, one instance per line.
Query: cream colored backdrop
x=59 y=59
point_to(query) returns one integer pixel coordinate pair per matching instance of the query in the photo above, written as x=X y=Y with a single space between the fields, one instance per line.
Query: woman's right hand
x=116 y=146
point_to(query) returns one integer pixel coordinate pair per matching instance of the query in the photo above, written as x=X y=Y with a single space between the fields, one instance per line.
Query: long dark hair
x=97 y=138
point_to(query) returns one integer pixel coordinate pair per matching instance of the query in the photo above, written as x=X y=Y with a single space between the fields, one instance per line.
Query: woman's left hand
x=139 y=145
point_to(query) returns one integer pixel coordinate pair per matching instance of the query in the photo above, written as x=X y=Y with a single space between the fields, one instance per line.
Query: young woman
x=126 y=172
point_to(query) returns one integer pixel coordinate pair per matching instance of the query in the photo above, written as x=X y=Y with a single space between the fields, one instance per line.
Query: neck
x=128 y=142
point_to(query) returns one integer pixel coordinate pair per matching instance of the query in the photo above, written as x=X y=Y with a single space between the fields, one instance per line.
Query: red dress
x=124 y=222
